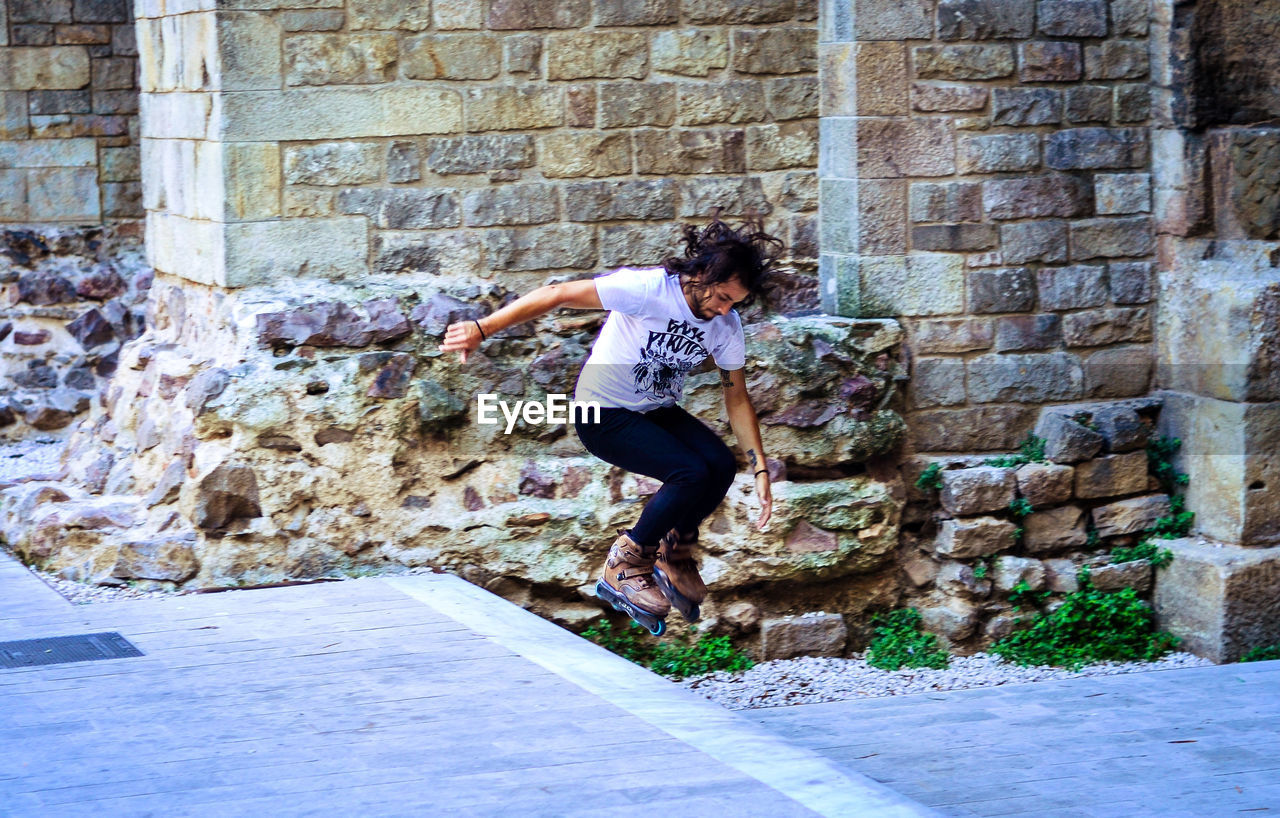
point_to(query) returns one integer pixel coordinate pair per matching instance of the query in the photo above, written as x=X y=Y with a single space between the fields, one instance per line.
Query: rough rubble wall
x=985 y=178
x=70 y=298
x=505 y=140
x=68 y=111
x=336 y=441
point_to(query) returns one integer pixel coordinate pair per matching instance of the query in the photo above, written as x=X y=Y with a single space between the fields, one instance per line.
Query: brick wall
x=985 y=178
x=503 y=138
x=68 y=111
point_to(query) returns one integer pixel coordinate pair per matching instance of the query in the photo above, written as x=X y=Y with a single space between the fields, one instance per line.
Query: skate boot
x=627 y=584
x=677 y=574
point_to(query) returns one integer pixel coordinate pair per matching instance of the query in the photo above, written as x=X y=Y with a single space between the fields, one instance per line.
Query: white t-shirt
x=651 y=340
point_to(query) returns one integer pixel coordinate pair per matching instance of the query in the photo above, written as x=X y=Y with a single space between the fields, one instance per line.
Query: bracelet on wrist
x=762 y=471
x=483 y=337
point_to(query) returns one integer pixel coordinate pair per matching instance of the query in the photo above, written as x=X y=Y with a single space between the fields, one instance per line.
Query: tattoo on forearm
x=726 y=378
x=751 y=455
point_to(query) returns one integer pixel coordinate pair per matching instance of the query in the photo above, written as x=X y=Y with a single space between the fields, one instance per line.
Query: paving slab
x=409 y=696
x=1200 y=742
x=25 y=594
x=428 y=696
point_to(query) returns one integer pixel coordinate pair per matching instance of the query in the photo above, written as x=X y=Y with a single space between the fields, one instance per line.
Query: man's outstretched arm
x=466 y=336
x=742 y=418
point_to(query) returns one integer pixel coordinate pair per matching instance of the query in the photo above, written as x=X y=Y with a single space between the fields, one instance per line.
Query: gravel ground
x=27 y=457
x=820 y=679
x=80 y=593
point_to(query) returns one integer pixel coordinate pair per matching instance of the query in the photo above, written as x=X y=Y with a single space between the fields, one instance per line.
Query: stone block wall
x=985 y=178
x=512 y=139
x=68 y=112
x=966 y=547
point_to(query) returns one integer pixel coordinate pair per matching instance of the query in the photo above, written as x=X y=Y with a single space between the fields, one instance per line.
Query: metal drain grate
x=58 y=649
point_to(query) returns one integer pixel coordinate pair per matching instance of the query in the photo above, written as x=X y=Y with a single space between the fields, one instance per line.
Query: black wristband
x=483 y=337
x=762 y=471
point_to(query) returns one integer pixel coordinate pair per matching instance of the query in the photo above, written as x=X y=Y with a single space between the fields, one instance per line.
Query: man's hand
x=466 y=337
x=463 y=337
x=742 y=419
x=764 y=491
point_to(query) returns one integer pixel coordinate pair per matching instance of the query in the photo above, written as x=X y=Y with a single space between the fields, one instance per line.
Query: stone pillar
x=1218 y=217
x=215 y=110
x=1219 y=362
x=995 y=173
x=72 y=280
x=1215 y=175
x=1220 y=599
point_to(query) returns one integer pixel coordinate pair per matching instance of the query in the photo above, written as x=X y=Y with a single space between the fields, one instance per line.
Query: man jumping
x=663 y=322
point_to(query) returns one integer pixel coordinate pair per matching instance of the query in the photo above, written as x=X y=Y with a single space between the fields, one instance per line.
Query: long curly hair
x=718 y=252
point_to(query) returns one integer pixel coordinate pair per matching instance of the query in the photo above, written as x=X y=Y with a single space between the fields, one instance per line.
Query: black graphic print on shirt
x=667 y=357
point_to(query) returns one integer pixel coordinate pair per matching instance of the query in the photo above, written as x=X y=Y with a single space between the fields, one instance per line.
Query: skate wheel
x=604 y=596
x=660 y=628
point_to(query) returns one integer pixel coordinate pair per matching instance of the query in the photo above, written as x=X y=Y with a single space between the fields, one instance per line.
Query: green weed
x=707 y=655
x=1021 y=595
x=1262 y=654
x=1090 y=626
x=898 y=642
x=673 y=658
x=930 y=478
x=1085 y=420
x=1160 y=452
x=628 y=642
x=1031 y=450
x=1177 y=523
x=1006 y=461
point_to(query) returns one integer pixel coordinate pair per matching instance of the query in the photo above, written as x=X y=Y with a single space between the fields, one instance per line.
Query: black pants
x=668 y=444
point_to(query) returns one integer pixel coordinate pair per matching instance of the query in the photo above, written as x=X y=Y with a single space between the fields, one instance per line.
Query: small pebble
x=810 y=680
x=80 y=593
